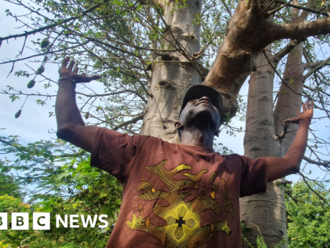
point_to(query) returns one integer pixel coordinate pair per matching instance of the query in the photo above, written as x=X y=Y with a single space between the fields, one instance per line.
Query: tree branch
x=41 y=54
x=271 y=64
x=325 y=164
x=134 y=120
x=285 y=50
x=305 y=13
x=50 y=26
x=299 y=31
x=311 y=65
x=305 y=8
x=278 y=9
x=313 y=189
x=316 y=68
x=267 y=7
x=228 y=10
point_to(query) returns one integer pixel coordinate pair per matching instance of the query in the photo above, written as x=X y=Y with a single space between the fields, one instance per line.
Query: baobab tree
x=150 y=52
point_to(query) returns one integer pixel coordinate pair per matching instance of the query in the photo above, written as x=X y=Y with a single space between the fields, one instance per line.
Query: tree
x=8 y=185
x=62 y=183
x=308 y=215
x=150 y=52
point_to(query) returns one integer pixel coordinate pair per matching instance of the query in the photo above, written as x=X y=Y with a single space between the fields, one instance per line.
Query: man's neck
x=197 y=137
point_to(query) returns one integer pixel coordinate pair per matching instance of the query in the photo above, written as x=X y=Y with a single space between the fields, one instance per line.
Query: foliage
x=8 y=185
x=260 y=240
x=60 y=184
x=11 y=204
x=308 y=216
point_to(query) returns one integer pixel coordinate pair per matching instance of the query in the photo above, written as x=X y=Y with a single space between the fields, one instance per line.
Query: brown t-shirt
x=176 y=195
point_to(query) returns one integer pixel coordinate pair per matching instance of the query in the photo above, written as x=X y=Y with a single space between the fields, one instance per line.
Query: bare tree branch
x=316 y=68
x=313 y=189
x=285 y=50
x=228 y=10
x=306 y=9
x=305 y=13
x=50 y=26
x=299 y=31
x=278 y=9
x=325 y=163
x=134 y=120
x=41 y=54
x=311 y=65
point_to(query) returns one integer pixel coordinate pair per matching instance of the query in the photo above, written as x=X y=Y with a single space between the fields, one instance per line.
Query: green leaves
x=61 y=181
x=22 y=73
x=261 y=242
x=307 y=215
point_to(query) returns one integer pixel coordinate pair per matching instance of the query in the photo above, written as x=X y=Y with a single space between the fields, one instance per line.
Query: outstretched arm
x=70 y=125
x=290 y=163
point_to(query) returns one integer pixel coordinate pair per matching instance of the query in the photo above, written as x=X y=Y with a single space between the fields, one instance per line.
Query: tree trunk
x=265 y=211
x=172 y=75
x=289 y=102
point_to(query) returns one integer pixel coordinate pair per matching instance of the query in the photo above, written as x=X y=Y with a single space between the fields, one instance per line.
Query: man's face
x=200 y=111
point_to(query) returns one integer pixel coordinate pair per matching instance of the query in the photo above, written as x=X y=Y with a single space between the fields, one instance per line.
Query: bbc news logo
x=41 y=221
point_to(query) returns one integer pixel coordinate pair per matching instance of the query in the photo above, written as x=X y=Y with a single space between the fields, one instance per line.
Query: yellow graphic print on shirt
x=183 y=227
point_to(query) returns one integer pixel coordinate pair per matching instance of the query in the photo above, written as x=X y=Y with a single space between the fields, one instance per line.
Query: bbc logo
x=20 y=221
x=41 y=221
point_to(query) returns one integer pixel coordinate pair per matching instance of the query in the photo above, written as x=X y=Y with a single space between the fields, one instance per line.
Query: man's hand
x=70 y=125
x=290 y=163
x=306 y=115
x=66 y=71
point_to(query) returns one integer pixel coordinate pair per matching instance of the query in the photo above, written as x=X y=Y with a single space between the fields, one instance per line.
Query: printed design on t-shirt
x=183 y=227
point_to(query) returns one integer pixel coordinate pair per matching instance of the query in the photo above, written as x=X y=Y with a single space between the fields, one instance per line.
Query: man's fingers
x=304 y=107
x=91 y=78
x=312 y=105
x=76 y=69
x=298 y=113
x=83 y=79
x=72 y=62
x=65 y=61
x=95 y=77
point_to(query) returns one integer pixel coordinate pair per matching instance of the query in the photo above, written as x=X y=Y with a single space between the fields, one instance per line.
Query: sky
x=34 y=124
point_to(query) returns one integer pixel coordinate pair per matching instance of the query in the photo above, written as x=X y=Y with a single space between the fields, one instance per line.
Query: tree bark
x=267 y=210
x=172 y=74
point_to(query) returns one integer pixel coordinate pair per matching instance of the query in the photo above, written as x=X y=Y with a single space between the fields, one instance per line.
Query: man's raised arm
x=70 y=125
x=290 y=163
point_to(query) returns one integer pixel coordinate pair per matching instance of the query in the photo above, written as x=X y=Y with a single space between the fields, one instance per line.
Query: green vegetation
x=308 y=215
x=60 y=184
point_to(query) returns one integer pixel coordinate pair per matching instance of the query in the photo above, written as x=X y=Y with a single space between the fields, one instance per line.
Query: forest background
x=51 y=175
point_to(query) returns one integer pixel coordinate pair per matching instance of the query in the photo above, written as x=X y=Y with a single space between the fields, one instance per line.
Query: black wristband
x=61 y=78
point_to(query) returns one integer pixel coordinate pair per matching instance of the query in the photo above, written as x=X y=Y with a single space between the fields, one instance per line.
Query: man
x=176 y=195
